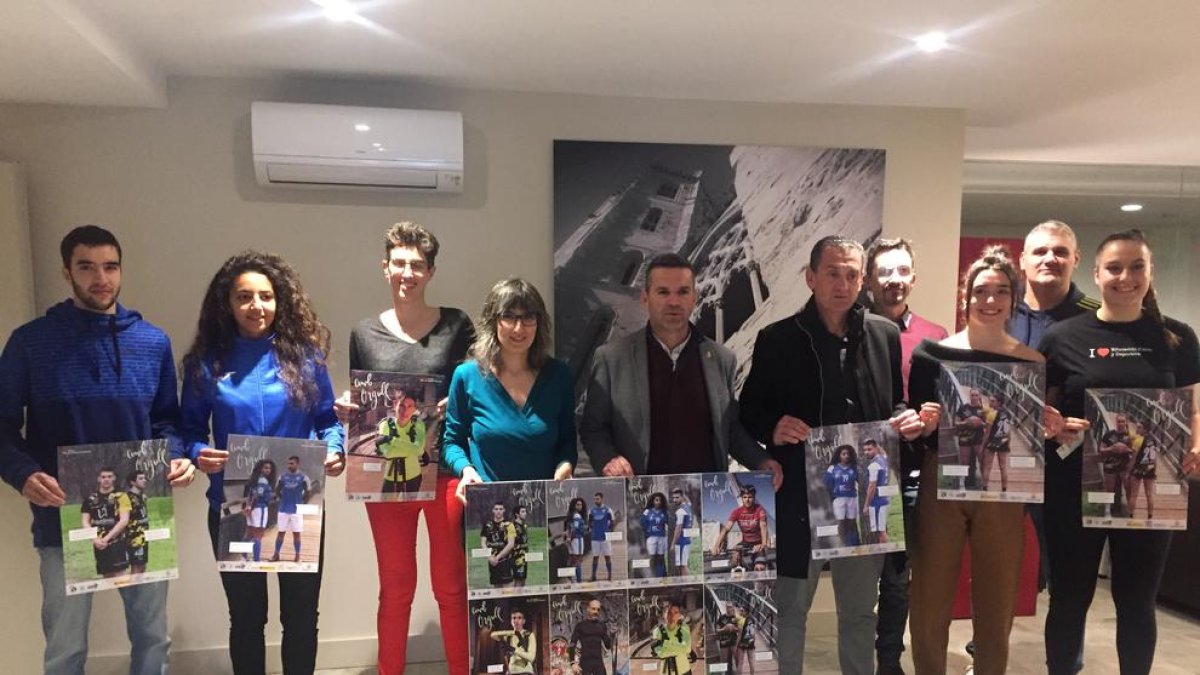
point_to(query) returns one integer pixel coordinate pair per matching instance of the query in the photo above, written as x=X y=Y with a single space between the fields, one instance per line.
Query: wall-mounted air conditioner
x=330 y=146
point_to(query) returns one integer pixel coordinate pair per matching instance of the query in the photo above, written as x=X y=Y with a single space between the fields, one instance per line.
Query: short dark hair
x=87 y=235
x=885 y=245
x=408 y=234
x=676 y=491
x=133 y=476
x=748 y=490
x=667 y=261
x=295 y=458
x=832 y=241
x=106 y=469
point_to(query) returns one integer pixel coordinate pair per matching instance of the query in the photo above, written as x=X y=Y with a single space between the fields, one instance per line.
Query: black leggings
x=246 y=592
x=1138 y=558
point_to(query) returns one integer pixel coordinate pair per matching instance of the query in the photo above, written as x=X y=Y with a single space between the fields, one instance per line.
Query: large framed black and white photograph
x=745 y=216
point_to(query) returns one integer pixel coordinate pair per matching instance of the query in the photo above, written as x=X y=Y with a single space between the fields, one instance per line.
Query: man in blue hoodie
x=90 y=371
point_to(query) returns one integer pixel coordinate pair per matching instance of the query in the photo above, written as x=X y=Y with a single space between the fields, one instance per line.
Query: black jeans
x=1138 y=559
x=246 y=592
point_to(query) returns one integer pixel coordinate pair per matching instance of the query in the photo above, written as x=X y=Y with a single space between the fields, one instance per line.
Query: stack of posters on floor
x=118 y=522
x=990 y=437
x=1133 y=458
x=663 y=531
x=611 y=576
x=394 y=442
x=853 y=490
x=739 y=526
x=271 y=518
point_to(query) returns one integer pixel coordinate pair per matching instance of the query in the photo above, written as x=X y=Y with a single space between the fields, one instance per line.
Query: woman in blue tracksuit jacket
x=257 y=367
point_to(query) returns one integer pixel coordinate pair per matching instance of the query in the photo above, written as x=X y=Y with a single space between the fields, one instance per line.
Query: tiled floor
x=1176 y=655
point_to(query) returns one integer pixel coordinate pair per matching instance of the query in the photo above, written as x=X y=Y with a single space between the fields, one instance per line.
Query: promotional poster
x=506 y=538
x=587 y=519
x=1133 y=458
x=665 y=546
x=854 y=503
x=990 y=438
x=509 y=635
x=271 y=518
x=740 y=619
x=393 y=441
x=738 y=525
x=118 y=522
x=666 y=630
x=589 y=633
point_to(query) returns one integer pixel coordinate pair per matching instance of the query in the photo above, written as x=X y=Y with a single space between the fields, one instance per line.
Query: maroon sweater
x=681 y=430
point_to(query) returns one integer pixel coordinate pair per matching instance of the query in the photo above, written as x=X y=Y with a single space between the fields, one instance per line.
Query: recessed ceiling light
x=381 y=149
x=931 y=42
x=378 y=145
x=336 y=11
x=361 y=126
x=1130 y=208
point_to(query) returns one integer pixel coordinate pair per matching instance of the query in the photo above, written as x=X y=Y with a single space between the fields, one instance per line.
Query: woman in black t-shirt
x=1127 y=343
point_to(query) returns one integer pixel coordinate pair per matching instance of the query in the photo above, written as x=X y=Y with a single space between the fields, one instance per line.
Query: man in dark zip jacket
x=90 y=371
x=832 y=363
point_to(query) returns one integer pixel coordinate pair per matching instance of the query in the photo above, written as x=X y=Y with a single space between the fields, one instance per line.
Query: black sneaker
x=890 y=669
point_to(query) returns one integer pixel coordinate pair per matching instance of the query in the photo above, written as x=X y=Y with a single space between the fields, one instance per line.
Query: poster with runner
x=272 y=515
x=118 y=522
x=394 y=437
x=666 y=630
x=1133 y=458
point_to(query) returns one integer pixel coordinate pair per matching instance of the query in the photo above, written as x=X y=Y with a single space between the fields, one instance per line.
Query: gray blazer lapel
x=641 y=380
x=718 y=399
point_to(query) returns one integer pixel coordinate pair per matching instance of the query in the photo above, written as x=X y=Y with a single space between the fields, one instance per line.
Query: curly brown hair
x=300 y=337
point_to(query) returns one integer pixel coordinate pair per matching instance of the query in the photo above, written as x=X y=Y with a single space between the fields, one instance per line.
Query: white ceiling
x=1085 y=80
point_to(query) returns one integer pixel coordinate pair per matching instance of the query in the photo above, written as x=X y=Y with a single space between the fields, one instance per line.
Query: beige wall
x=177 y=187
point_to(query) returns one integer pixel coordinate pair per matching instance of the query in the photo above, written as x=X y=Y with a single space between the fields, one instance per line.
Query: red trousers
x=394 y=525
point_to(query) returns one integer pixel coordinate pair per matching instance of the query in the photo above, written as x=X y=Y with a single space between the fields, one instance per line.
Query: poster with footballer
x=740 y=619
x=990 y=436
x=118 y=522
x=508 y=635
x=853 y=490
x=666 y=630
x=506 y=539
x=587 y=519
x=271 y=518
x=1133 y=458
x=589 y=632
x=394 y=437
x=738 y=525
x=663 y=530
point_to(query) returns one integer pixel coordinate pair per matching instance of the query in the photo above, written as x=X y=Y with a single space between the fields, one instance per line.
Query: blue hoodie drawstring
x=112 y=328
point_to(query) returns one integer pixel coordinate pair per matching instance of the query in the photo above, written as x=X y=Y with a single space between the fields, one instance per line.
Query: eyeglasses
x=414 y=266
x=510 y=319
x=903 y=271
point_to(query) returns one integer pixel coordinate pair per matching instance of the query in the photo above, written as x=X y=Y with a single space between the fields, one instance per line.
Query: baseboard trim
x=341 y=653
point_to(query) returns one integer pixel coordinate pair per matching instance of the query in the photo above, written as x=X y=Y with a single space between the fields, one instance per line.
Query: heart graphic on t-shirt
x=1103 y=352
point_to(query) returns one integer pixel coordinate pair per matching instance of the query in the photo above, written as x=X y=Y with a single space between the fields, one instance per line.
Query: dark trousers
x=246 y=592
x=1138 y=558
x=893 y=608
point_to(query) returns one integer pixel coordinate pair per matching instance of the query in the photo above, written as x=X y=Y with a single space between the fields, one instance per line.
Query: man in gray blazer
x=660 y=400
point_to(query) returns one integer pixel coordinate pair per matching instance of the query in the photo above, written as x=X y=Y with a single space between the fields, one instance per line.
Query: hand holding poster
x=118 y=523
x=990 y=437
x=394 y=440
x=1133 y=458
x=274 y=498
x=853 y=490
